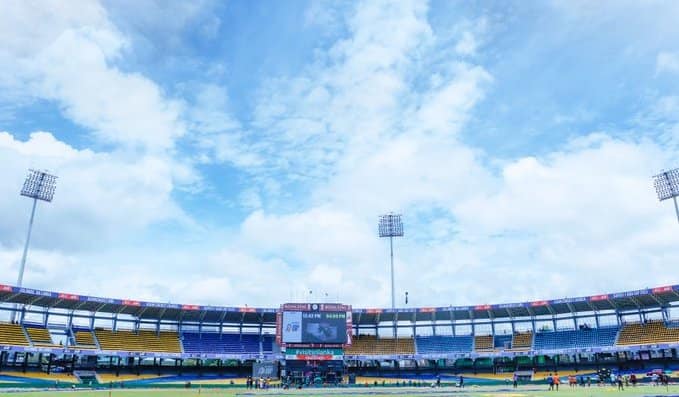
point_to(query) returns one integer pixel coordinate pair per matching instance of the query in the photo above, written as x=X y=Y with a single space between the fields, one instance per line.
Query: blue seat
x=580 y=338
x=444 y=344
x=212 y=342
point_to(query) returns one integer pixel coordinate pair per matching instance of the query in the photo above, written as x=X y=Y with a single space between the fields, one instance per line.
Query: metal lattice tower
x=390 y=225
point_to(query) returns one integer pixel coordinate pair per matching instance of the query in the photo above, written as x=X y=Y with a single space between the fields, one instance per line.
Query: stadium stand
x=41 y=376
x=444 y=344
x=522 y=341
x=483 y=343
x=581 y=338
x=12 y=334
x=224 y=343
x=370 y=344
x=141 y=341
x=188 y=353
x=84 y=338
x=650 y=333
x=502 y=342
x=267 y=343
x=39 y=336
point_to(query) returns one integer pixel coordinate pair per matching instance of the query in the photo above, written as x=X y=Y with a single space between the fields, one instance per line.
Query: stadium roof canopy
x=632 y=301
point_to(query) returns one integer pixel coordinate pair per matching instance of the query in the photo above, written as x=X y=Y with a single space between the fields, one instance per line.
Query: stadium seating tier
x=12 y=334
x=522 y=341
x=84 y=339
x=212 y=342
x=483 y=343
x=40 y=337
x=581 y=338
x=370 y=344
x=650 y=333
x=444 y=344
x=141 y=341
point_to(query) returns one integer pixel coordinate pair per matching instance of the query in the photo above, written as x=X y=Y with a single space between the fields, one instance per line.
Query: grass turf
x=491 y=391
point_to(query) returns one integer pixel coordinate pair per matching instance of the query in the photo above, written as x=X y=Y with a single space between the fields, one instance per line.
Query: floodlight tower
x=390 y=225
x=667 y=186
x=39 y=185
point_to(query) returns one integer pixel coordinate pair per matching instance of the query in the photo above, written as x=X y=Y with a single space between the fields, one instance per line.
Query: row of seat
x=652 y=332
x=84 y=339
x=438 y=344
x=517 y=342
x=140 y=341
x=12 y=334
x=522 y=341
x=226 y=343
x=370 y=345
x=581 y=338
x=40 y=337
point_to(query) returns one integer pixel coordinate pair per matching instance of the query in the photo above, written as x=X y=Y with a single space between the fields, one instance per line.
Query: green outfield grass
x=525 y=391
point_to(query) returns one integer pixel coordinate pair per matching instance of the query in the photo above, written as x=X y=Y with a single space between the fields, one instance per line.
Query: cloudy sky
x=239 y=152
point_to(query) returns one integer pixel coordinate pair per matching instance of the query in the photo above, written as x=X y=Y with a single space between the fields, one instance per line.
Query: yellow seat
x=142 y=341
x=522 y=341
x=13 y=335
x=652 y=332
x=369 y=344
x=483 y=342
x=40 y=337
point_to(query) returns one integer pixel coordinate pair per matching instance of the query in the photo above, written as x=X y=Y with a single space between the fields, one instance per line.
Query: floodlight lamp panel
x=39 y=185
x=666 y=184
x=390 y=225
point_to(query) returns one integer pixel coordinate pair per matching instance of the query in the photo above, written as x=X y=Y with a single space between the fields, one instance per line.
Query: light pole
x=390 y=225
x=666 y=186
x=39 y=185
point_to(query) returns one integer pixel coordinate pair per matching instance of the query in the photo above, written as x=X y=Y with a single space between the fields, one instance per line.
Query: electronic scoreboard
x=317 y=324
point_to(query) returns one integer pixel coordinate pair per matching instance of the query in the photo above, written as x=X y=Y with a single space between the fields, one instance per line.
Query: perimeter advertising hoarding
x=265 y=369
x=313 y=354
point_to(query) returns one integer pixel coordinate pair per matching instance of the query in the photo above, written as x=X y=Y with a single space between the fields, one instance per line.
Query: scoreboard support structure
x=312 y=337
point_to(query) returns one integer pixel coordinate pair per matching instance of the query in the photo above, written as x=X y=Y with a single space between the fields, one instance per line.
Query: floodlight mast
x=666 y=185
x=390 y=225
x=39 y=185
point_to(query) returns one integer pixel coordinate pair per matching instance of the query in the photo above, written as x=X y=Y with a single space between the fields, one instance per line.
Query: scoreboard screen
x=317 y=327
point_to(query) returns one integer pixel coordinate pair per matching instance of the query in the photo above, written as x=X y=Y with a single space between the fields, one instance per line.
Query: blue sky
x=240 y=152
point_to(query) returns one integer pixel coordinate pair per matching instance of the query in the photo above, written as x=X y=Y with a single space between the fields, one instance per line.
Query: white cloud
x=98 y=194
x=555 y=191
x=217 y=134
x=66 y=53
x=23 y=38
x=466 y=45
x=589 y=210
x=521 y=234
x=529 y=233
x=161 y=26
x=667 y=62
x=70 y=59
x=324 y=15
x=317 y=235
x=348 y=97
x=375 y=123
